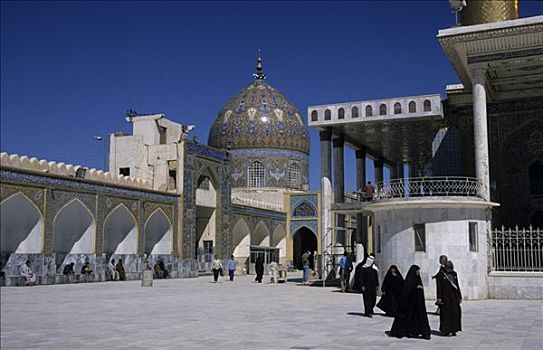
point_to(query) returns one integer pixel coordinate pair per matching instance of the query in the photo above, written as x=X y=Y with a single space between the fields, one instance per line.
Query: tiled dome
x=259 y=116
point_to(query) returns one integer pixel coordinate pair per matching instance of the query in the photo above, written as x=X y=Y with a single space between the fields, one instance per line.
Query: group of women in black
x=403 y=299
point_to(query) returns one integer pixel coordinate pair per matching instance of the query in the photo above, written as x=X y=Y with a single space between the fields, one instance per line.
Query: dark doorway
x=304 y=239
x=537 y=220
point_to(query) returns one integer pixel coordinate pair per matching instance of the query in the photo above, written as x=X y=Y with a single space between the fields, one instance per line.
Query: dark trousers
x=344 y=282
x=215 y=275
x=370 y=297
x=231 y=274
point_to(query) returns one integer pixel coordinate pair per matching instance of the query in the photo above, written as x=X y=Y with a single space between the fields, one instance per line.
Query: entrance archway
x=303 y=240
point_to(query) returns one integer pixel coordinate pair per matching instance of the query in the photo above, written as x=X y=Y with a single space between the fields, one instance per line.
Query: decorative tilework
x=269 y=153
x=259 y=116
x=242 y=210
x=206 y=151
x=297 y=224
x=81 y=185
x=296 y=199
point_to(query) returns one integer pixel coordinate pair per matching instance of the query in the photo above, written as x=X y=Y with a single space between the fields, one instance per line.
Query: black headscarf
x=390 y=275
x=412 y=280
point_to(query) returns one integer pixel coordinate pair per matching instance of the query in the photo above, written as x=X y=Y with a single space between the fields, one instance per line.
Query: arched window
x=327 y=115
x=294 y=176
x=341 y=113
x=369 y=111
x=203 y=183
x=536 y=177
x=354 y=112
x=383 y=109
x=397 y=108
x=314 y=116
x=427 y=107
x=412 y=107
x=256 y=175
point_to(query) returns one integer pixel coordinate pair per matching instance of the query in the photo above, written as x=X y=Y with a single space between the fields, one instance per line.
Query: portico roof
x=511 y=52
x=397 y=130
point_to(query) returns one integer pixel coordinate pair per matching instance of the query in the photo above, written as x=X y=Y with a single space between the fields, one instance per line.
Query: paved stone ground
x=199 y=314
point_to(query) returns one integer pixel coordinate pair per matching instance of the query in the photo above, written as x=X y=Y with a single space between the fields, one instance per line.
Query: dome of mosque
x=259 y=116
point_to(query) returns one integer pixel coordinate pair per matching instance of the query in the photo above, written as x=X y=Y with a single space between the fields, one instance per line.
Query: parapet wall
x=61 y=169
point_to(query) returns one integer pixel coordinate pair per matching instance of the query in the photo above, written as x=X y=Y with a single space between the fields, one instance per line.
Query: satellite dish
x=457 y=5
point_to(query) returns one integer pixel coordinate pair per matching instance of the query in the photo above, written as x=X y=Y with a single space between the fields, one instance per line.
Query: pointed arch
x=261 y=235
x=21 y=225
x=241 y=235
x=304 y=209
x=120 y=232
x=74 y=229
x=278 y=234
x=304 y=239
x=158 y=233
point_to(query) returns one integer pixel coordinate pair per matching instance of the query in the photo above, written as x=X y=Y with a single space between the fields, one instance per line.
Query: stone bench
x=74 y=278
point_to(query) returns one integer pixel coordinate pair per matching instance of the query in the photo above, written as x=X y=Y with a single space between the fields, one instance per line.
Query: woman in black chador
x=391 y=291
x=259 y=269
x=449 y=298
x=411 y=320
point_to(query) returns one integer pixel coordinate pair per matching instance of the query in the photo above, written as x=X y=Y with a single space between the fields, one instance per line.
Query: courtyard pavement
x=199 y=314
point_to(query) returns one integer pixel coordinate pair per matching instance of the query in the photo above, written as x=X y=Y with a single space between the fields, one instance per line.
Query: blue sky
x=70 y=70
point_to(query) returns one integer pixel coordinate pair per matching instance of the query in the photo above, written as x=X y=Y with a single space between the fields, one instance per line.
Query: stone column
x=361 y=226
x=480 y=132
x=326 y=155
x=379 y=174
x=400 y=171
x=339 y=184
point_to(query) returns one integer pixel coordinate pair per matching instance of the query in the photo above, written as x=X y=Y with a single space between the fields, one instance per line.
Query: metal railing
x=428 y=186
x=518 y=250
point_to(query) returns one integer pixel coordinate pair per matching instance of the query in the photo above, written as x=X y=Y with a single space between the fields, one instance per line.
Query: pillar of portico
x=361 y=220
x=338 y=144
x=400 y=171
x=480 y=132
x=326 y=155
x=379 y=171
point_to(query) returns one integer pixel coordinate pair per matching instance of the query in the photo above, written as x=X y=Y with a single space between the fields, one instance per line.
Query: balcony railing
x=427 y=187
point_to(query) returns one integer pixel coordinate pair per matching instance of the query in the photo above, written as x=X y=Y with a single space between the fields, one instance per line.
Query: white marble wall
x=447 y=230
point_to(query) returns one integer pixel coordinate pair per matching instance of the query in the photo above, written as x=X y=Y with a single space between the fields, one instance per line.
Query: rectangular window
x=378 y=239
x=473 y=237
x=420 y=237
x=124 y=171
x=162 y=135
x=172 y=183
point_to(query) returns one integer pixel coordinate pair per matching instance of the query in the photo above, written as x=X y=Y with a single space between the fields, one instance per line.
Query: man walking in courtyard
x=231 y=264
x=346 y=265
x=305 y=263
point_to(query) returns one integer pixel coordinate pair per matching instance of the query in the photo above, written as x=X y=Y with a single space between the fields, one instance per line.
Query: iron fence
x=518 y=250
x=428 y=186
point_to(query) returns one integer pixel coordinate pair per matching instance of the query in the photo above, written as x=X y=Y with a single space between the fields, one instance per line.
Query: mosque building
x=459 y=168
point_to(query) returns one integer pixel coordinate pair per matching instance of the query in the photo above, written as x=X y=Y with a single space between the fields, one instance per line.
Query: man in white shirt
x=27 y=273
